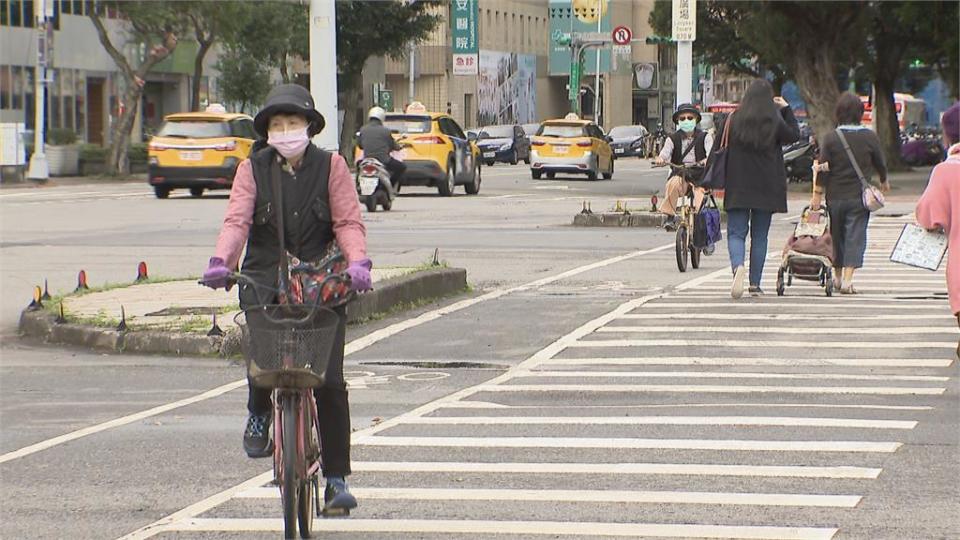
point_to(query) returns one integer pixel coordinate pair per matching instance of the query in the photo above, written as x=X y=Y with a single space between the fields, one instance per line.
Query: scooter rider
x=377 y=142
x=689 y=146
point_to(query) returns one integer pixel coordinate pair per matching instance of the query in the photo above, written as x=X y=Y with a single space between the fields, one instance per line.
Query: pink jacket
x=344 y=208
x=939 y=206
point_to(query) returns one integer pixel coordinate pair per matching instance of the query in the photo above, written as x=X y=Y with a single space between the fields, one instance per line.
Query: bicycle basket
x=287 y=346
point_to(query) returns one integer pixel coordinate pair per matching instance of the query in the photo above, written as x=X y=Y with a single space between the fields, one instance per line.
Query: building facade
x=85 y=87
x=523 y=73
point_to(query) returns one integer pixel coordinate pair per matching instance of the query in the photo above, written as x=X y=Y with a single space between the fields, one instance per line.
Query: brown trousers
x=675 y=188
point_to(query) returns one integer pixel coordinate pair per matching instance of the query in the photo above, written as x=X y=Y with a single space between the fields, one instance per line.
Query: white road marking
x=744 y=361
x=498 y=527
x=951 y=321
x=798 y=302
x=633 y=444
x=352 y=347
x=664 y=421
x=694 y=469
x=122 y=421
x=782 y=330
x=717 y=389
x=491 y=405
x=585 y=496
x=730 y=375
x=718 y=343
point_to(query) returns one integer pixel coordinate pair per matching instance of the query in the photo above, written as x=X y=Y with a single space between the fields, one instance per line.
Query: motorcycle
x=374 y=186
x=798 y=159
x=921 y=146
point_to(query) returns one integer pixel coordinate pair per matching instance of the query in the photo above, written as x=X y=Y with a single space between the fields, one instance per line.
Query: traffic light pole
x=577 y=48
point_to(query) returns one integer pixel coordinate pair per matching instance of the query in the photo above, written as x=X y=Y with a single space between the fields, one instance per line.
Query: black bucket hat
x=686 y=108
x=291 y=99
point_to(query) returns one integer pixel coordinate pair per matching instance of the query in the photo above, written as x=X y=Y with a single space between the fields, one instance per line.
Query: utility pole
x=323 y=70
x=684 y=33
x=577 y=47
x=596 y=83
x=412 y=53
x=39 y=170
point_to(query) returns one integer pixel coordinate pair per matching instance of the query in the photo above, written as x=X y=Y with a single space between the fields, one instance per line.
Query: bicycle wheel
x=682 y=249
x=289 y=484
x=694 y=257
x=305 y=507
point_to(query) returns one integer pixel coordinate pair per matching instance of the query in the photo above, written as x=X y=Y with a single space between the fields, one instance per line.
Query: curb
x=390 y=294
x=618 y=219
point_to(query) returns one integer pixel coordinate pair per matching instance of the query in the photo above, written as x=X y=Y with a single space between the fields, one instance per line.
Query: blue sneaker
x=337 y=499
x=256 y=438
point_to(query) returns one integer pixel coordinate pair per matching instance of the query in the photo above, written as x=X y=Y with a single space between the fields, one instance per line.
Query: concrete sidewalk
x=177 y=316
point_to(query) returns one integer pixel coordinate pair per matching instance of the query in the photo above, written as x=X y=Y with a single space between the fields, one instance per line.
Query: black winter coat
x=757 y=180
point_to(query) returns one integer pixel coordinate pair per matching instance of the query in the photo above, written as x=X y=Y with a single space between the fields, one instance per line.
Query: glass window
x=66 y=7
x=562 y=130
x=28 y=19
x=4 y=13
x=457 y=132
x=68 y=116
x=496 y=132
x=195 y=129
x=242 y=128
x=16 y=13
x=5 y=88
x=408 y=124
x=78 y=7
x=17 y=87
x=625 y=131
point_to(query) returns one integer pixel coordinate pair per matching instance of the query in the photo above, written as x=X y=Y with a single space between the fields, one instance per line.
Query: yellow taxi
x=436 y=151
x=571 y=145
x=198 y=151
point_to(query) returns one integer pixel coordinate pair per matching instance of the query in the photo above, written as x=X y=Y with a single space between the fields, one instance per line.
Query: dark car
x=628 y=141
x=506 y=144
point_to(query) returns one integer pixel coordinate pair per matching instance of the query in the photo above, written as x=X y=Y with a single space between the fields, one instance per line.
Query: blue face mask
x=687 y=125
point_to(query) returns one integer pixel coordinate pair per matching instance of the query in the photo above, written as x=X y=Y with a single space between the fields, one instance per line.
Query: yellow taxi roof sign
x=416 y=108
x=216 y=108
x=571 y=116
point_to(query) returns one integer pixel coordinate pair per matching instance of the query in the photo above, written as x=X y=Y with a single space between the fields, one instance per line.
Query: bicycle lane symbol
x=366 y=379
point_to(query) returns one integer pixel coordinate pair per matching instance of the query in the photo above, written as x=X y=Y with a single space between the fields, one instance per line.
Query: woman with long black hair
x=756 y=186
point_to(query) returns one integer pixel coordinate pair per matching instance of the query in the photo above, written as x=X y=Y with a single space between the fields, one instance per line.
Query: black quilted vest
x=699 y=149
x=307 y=220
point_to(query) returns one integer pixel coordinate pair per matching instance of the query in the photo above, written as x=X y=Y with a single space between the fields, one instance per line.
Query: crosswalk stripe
x=729 y=375
x=682 y=469
x=585 y=496
x=949 y=321
x=782 y=330
x=633 y=444
x=554 y=528
x=717 y=343
x=491 y=405
x=717 y=389
x=745 y=361
x=787 y=302
x=793 y=421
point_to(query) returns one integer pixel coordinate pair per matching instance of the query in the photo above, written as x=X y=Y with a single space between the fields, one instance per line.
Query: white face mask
x=289 y=143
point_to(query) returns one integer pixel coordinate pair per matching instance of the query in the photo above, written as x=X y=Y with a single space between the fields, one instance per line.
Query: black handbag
x=715 y=175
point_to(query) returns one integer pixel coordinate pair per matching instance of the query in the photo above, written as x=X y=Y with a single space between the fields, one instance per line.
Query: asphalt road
x=584 y=387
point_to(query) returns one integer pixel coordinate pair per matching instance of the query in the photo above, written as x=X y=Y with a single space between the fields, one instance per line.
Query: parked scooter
x=374 y=186
x=921 y=146
x=798 y=159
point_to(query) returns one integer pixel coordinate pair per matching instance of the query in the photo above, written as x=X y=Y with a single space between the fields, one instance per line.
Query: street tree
x=900 y=32
x=370 y=29
x=273 y=33
x=153 y=30
x=721 y=26
x=211 y=22
x=244 y=80
x=811 y=42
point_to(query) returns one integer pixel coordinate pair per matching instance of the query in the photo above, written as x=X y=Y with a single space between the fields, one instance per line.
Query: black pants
x=397 y=169
x=333 y=407
x=848 y=226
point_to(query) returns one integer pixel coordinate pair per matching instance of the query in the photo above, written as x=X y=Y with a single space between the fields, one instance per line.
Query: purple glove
x=215 y=276
x=359 y=272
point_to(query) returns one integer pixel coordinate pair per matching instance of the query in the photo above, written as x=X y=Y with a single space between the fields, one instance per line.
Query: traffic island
x=180 y=317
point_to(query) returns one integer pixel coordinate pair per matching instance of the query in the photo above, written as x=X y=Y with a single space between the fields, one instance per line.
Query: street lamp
x=39 y=170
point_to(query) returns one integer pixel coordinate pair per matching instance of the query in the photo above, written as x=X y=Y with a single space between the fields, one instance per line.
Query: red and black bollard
x=122 y=327
x=82 y=282
x=46 y=291
x=215 y=330
x=142 y=272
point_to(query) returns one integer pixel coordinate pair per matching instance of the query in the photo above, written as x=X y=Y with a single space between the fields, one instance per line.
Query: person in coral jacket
x=939 y=206
x=319 y=206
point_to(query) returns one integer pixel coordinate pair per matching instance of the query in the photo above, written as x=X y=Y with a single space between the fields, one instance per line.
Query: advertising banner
x=463 y=28
x=507 y=88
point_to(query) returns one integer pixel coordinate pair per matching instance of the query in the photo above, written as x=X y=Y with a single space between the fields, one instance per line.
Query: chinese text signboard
x=465 y=39
x=580 y=17
x=684 y=20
